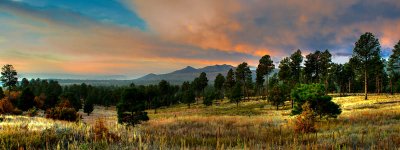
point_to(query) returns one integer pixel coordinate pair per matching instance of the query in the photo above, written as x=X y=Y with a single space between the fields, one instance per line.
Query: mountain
x=175 y=77
x=186 y=74
x=72 y=76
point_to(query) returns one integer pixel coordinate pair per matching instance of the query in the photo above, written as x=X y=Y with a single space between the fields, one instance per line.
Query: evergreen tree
x=209 y=96
x=229 y=81
x=393 y=65
x=264 y=68
x=90 y=99
x=52 y=90
x=72 y=99
x=236 y=94
x=88 y=107
x=26 y=100
x=219 y=85
x=278 y=95
x=188 y=95
x=203 y=82
x=243 y=76
x=24 y=83
x=295 y=66
x=131 y=108
x=1 y=93
x=285 y=73
x=366 y=50
x=9 y=77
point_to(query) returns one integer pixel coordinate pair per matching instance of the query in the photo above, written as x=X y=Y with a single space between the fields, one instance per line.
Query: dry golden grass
x=364 y=124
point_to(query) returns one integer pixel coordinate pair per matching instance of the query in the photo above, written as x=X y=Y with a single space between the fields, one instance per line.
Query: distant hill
x=186 y=74
x=175 y=77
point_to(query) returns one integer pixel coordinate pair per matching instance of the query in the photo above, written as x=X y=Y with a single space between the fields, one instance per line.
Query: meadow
x=255 y=124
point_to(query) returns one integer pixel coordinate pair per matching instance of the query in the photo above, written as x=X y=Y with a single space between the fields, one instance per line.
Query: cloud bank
x=44 y=36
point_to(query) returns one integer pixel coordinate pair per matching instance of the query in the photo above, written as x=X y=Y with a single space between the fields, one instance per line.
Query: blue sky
x=136 y=37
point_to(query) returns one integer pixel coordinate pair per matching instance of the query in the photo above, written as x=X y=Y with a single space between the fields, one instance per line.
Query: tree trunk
x=349 y=86
x=378 y=85
x=391 y=86
x=292 y=103
x=365 y=84
x=155 y=110
x=326 y=86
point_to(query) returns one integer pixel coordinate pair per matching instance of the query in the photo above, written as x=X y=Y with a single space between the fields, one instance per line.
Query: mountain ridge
x=186 y=74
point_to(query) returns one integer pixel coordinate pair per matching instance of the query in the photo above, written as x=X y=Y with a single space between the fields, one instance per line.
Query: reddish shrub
x=101 y=132
x=62 y=113
x=6 y=107
x=39 y=101
x=305 y=122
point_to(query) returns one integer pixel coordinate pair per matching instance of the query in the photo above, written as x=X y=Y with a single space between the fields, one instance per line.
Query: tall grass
x=372 y=124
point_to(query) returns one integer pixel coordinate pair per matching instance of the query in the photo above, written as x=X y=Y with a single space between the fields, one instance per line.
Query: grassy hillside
x=372 y=124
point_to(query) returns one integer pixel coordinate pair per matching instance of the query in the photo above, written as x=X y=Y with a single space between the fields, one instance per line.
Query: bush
x=6 y=107
x=62 y=113
x=101 y=132
x=132 y=119
x=32 y=112
x=319 y=102
x=305 y=123
x=39 y=101
x=74 y=101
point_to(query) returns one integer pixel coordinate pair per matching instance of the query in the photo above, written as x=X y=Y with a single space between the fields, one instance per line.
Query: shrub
x=74 y=101
x=319 y=102
x=63 y=111
x=32 y=112
x=132 y=119
x=39 y=101
x=305 y=122
x=6 y=107
x=101 y=131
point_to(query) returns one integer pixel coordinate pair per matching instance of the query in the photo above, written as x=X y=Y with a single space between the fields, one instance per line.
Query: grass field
x=371 y=124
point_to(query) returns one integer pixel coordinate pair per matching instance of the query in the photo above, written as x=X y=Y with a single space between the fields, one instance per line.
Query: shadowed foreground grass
x=371 y=124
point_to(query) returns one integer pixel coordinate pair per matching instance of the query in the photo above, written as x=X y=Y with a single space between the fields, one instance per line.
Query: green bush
x=319 y=102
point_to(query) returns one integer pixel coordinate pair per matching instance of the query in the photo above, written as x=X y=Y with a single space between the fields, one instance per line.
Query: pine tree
x=366 y=50
x=9 y=77
x=26 y=100
x=243 y=76
x=219 y=85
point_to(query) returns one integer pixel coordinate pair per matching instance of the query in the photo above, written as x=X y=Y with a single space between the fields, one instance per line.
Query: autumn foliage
x=305 y=122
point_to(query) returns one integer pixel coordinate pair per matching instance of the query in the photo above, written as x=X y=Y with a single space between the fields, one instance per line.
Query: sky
x=137 y=37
